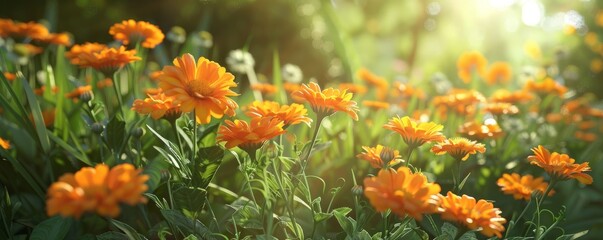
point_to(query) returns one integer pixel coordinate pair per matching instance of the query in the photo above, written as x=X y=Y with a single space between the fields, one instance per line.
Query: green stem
x=175 y=129
x=303 y=171
x=410 y=150
x=118 y=93
x=277 y=174
x=547 y=191
x=385 y=217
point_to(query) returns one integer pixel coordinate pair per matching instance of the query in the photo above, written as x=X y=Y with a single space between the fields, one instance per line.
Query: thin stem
x=175 y=129
x=118 y=93
x=410 y=150
x=312 y=143
x=547 y=191
x=277 y=174
x=385 y=217
x=194 y=156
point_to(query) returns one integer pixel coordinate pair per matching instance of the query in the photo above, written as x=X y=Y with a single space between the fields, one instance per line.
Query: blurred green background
x=329 y=40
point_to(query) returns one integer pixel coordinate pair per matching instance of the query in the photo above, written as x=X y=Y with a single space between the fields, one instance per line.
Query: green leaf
x=112 y=236
x=67 y=147
x=153 y=169
x=37 y=115
x=173 y=154
x=187 y=225
x=449 y=230
x=277 y=79
x=21 y=138
x=247 y=214
x=53 y=228
x=189 y=198
x=463 y=182
x=60 y=76
x=319 y=217
x=572 y=236
x=129 y=231
x=347 y=224
x=115 y=133
x=211 y=158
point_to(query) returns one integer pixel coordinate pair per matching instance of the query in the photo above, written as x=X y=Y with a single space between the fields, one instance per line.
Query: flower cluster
x=99 y=189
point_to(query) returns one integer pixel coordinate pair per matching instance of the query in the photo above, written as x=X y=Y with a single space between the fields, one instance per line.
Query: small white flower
x=441 y=83
x=292 y=73
x=240 y=61
x=177 y=35
x=203 y=39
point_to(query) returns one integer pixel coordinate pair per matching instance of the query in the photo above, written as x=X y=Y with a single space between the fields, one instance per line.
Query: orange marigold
x=376 y=104
x=87 y=48
x=521 y=187
x=585 y=136
x=353 y=88
x=476 y=131
x=473 y=214
x=264 y=88
x=97 y=190
x=104 y=83
x=9 y=76
x=289 y=114
x=403 y=192
x=291 y=87
x=503 y=95
x=501 y=108
x=380 y=156
x=6 y=27
x=130 y=31
x=560 y=166
x=546 y=86
x=459 y=148
x=499 y=72
x=107 y=60
x=415 y=134
x=469 y=63
x=4 y=144
x=407 y=91
x=203 y=87
x=57 y=39
x=31 y=30
x=460 y=100
x=79 y=92
x=249 y=136
x=157 y=105
x=379 y=82
x=328 y=101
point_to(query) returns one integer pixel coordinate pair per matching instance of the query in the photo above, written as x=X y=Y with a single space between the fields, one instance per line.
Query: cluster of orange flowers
x=32 y=30
x=99 y=189
x=471 y=65
x=581 y=112
x=407 y=193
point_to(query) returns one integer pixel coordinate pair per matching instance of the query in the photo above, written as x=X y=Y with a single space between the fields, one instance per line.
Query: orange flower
x=469 y=63
x=249 y=136
x=203 y=86
x=376 y=104
x=560 y=166
x=27 y=50
x=415 y=134
x=501 y=108
x=407 y=91
x=503 y=95
x=353 y=88
x=459 y=148
x=107 y=82
x=499 y=72
x=157 y=105
x=31 y=30
x=460 y=100
x=154 y=75
x=585 y=136
x=97 y=190
x=264 y=88
x=78 y=92
x=86 y=48
x=403 y=192
x=6 y=27
x=40 y=91
x=289 y=114
x=56 y=39
x=380 y=156
x=4 y=144
x=473 y=214
x=107 y=60
x=47 y=115
x=291 y=87
x=9 y=76
x=328 y=101
x=546 y=86
x=522 y=186
x=133 y=31
x=379 y=82
x=476 y=131
x=153 y=91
